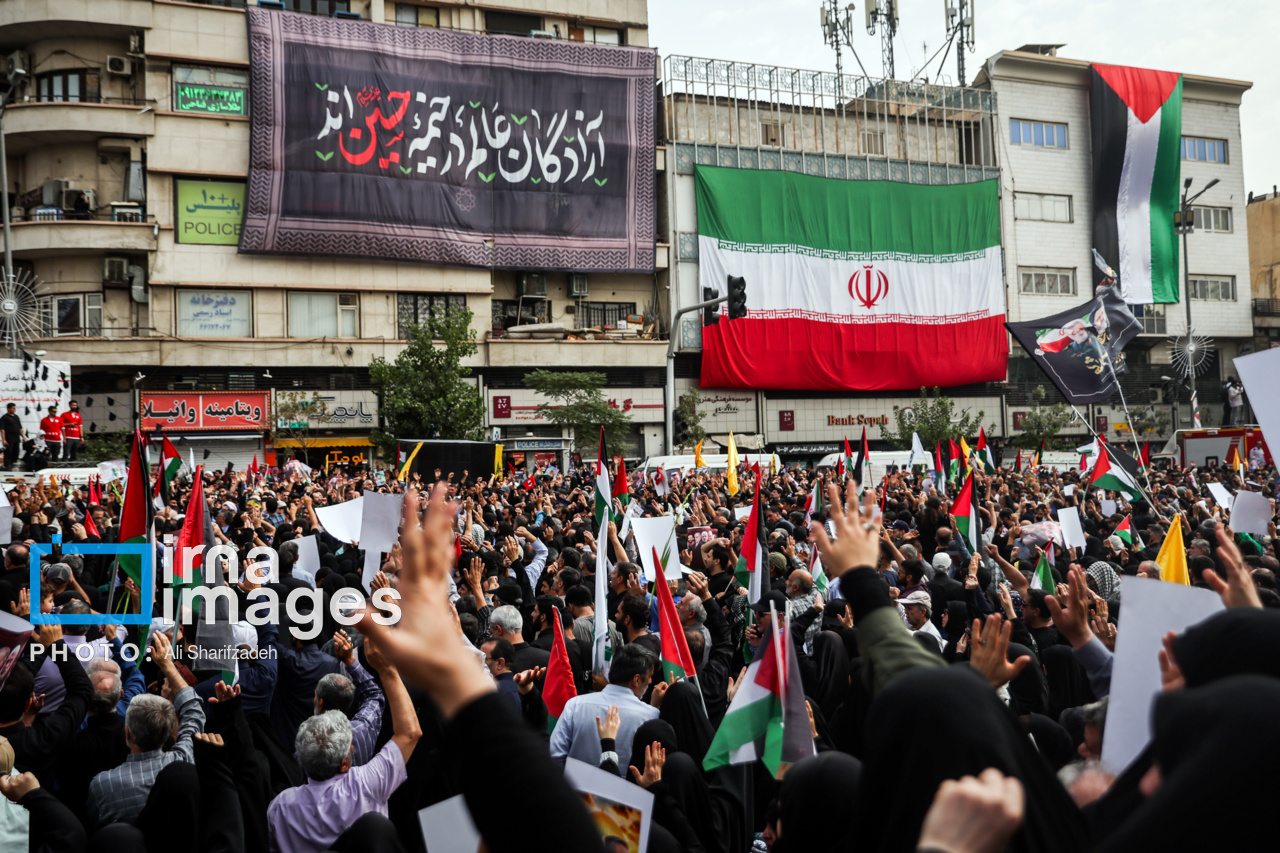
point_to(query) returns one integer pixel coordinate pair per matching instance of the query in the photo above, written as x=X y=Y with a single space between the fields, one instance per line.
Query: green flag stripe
x=742 y=726
x=1165 y=185
x=752 y=206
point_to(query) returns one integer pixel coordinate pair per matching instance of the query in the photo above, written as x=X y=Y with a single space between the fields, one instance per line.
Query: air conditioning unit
x=542 y=34
x=68 y=201
x=16 y=61
x=578 y=284
x=120 y=66
x=346 y=300
x=51 y=192
x=115 y=269
x=533 y=284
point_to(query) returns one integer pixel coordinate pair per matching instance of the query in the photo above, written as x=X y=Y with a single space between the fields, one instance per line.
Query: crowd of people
x=954 y=702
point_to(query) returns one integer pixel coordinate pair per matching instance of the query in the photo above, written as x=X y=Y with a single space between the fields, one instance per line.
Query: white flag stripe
x=1133 y=208
x=781 y=283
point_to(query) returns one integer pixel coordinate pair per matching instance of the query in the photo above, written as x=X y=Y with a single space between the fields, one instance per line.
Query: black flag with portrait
x=1081 y=350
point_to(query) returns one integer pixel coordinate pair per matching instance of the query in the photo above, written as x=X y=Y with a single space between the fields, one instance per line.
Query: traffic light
x=680 y=430
x=710 y=314
x=737 y=297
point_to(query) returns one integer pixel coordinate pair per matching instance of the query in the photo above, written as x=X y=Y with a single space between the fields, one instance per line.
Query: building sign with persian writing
x=206 y=411
x=210 y=98
x=214 y=313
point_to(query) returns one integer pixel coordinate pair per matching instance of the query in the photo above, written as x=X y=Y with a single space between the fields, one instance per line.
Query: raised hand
x=990 y=651
x=973 y=815
x=1072 y=620
x=857 y=540
x=1238 y=589
x=608 y=728
x=654 y=757
x=343 y=649
x=524 y=680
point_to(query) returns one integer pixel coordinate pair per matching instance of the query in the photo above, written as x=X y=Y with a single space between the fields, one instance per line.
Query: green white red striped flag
x=1108 y=475
x=558 y=688
x=1042 y=577
x=677 y=662
x=966 y=513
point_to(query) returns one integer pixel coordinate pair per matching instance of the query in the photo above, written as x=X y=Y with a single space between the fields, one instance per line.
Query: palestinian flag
x=814 y=503
x=677 y=662
x=1136 y=125
x=621 y=489
x=558 y=687
x=253 y=466
x=847 y=460
x=984 y=455
x=1145 y=456
x=170 y=465
x=939 y=471
x=196 y=533
x=862 y=464
x=752 y=570
x=953 y=466
x=604 y=491
x=1126 y=534
x=1108 y=475
x=136 y=515
x=818 y=573
x=965 y=509
x=1042 y=576
x=903 y=283
x=767 y=719
x=1017 y=463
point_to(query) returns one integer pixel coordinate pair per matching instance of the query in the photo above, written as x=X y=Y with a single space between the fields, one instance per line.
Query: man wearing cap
x=764 y=617
x=918 y=607
x=51 y=432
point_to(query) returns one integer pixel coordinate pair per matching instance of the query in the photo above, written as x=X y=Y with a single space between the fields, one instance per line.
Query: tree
x=687 y=420
x=936 y=420
x=296 y=416
x=1043 y=422
x=104 y=446
x=1148 y=422
x=576 y=400
x=422 y=394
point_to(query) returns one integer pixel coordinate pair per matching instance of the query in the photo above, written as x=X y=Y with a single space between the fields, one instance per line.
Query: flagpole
x=1100 y=441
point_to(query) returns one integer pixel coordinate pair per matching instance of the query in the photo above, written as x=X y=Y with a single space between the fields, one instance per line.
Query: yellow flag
x=964 y=453
x=1172 y=558
x=497 y=460
x=698 y=461
x=732 y=473
x=404 y=470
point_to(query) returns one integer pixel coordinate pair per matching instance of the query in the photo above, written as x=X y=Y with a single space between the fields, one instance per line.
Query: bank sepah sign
x=209 y=212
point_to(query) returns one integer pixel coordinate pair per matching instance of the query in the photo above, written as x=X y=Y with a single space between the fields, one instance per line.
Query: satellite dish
x=1190 y=353
x=19 y=309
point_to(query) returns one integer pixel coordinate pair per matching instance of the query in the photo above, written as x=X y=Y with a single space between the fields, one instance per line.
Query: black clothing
x=99 y=746
x=53 y=828
x=812 y=781
x=529 y=657
x=682 y=710
x=1235 y=642
x=38 y=746
x=713 y=679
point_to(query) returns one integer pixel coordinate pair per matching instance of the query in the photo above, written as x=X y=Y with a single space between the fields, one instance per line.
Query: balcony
x=25 y=21
x=95 y=235
x=36 y=124
x=743 y=115
x=1266 y=307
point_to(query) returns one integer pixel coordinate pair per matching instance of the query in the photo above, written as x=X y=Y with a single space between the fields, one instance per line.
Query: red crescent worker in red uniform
x=51 y=432
x=72 y=434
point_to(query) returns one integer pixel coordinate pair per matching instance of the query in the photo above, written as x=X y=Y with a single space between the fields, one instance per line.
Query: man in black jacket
x=713 y=679
x=36 y=744
x=11 y=433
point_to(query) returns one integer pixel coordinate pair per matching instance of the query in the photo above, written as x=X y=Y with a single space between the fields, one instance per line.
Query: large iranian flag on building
x=1136 y=124
x=851 y=285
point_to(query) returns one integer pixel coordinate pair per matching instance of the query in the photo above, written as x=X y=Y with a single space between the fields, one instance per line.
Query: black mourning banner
x=1081 y=349
x=424 y=144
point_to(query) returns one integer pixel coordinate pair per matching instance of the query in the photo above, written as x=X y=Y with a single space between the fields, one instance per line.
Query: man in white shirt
x=576 y=735
x=918 y=607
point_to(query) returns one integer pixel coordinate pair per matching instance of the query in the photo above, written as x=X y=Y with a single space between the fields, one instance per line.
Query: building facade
x=127 y=153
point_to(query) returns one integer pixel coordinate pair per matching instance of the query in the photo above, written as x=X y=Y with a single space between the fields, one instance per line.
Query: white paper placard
x=1152 y=608
x=1109 y=507
x=1258 y=372
x=342 y=521
x=1220 y=495
x=633 y=511
x=308 y=563
x=657 y=532
x=372 y=563
x=380 y=520
x=447 y=827
x=1068 y=489
x=619 y=808
x=741 y=512
x=1250 y=513
x=1072 y=532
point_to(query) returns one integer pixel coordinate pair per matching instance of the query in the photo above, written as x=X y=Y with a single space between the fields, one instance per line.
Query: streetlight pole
x=1184 y=222
x=672 y=340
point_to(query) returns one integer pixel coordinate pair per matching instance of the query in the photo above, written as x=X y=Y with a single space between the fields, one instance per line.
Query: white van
x=715 y=461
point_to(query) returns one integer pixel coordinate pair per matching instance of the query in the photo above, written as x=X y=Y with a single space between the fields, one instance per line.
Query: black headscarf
x=1234 y=642
x=1068 y=681
x=1206 y=742
x=1029 y=690
x=682 y=710
x=648 y=732
x=816 y=780
x=832 y=671
x=916 y=747
x=709 y=814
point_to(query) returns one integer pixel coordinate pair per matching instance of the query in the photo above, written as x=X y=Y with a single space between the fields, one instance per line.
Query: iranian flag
x=1126 y=534
x=1108 y=475
x=851 y=285
x=767 y=719
x=965 y=509
x=677 y=662
x=1137 y=145
x=558 y=688
x=984 y=456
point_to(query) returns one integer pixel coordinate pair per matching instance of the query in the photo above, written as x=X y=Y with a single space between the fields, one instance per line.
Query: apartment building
x=128 y=147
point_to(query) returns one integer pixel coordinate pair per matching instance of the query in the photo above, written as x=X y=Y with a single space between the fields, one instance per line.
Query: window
x=1213 y=219
x=61 y=316
x=506 y=312
x=1038 y=133
x=1214 y=289
x=318 y=7
x=1153 y=319
x=1051 y=282
x=409 y=15
x=1206 y=150
x=605 y=314
x=511 y=23
x=772 y=133
x=205 y=89
x=75 y=85
x=417 y=307
x=873 y=143
x=1039 y=207
x=595 y=35
x=323 y=315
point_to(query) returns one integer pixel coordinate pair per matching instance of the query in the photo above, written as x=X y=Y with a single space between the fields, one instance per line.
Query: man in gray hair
x=337 y=793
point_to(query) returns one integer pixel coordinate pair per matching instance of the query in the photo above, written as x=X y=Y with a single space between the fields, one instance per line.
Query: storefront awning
x=353 y=441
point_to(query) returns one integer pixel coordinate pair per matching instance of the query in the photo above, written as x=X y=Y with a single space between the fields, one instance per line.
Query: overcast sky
x=1173 y=35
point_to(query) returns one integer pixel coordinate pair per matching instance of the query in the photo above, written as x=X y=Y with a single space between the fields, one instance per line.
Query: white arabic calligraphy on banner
x=214 y=314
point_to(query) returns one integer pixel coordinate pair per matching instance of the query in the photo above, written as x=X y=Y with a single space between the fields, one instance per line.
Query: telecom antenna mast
x=837 y=30
x=960 y=28
x=885 y=14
